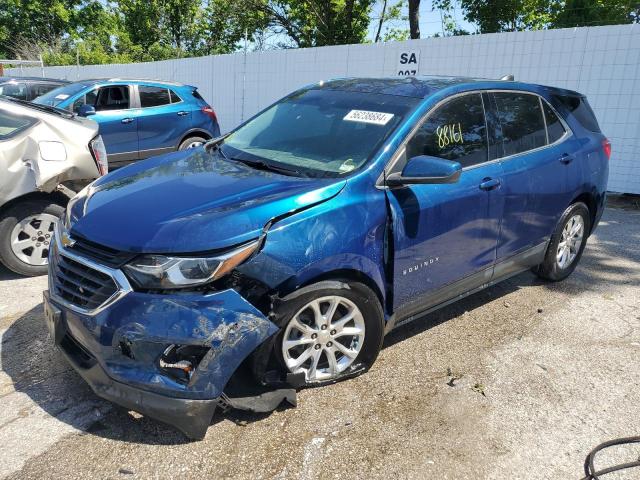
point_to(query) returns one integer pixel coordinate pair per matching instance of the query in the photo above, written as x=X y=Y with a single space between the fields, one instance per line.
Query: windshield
x=60 y=94
x=319 y=132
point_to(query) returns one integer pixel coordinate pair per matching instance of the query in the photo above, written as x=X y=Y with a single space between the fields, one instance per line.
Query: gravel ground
x=519 y=381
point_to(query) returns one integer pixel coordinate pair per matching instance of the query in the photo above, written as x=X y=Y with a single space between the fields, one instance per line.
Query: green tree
x=390 y=14
x=314 y=23
x=224 y=23
x=509 y=15
x=581 y=13
x=33 y=21
x=141 y=20
x=179 y=19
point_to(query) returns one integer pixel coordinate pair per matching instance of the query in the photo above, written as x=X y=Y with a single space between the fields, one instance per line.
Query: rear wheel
x=26 y=231
x=330 y=331
x=567 y=244
x=191 y=142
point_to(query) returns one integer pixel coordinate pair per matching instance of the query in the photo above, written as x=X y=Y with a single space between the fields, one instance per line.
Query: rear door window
x=153 y=96
x=555 y=128
x=455 y=131
x=521 y=122
x=12 y=124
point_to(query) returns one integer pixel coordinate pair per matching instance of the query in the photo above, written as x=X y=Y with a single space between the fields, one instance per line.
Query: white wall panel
x=601 y=62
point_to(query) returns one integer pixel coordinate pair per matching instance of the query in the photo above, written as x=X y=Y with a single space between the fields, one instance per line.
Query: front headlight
x=166 y=272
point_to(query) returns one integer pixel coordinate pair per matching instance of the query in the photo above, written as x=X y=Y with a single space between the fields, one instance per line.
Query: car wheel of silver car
x=331 y=330
x=26 y=231
x=566 y=244
x=191 y=142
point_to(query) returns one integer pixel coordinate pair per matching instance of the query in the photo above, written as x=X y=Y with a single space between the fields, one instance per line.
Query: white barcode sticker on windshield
x=364 y=116
x=62 y=96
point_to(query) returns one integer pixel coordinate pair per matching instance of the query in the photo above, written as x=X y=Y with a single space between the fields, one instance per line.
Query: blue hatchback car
x=139 y=118
x=279 y=255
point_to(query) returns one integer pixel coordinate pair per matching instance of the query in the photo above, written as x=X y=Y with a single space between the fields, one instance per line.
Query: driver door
x=445 y=235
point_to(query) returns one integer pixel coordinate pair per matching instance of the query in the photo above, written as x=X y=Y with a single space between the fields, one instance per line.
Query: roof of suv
x=424 y=86
x=33 y=79
x=94 y=81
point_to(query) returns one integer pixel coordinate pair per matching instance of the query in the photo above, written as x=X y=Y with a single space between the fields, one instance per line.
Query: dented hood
x=46 y=150
x=190 y=201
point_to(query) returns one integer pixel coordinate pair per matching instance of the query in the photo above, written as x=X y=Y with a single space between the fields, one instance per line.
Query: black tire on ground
x=8 y=220
x=549 y=269
x=189 y=141
x=269 y=354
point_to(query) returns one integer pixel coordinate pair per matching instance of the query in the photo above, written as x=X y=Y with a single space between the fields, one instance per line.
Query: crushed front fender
x=128 y=338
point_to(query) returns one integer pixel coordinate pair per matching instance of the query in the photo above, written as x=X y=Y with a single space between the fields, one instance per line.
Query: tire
x=191 y=142
x=15 y=229
x=553 y=268
x=329 y=341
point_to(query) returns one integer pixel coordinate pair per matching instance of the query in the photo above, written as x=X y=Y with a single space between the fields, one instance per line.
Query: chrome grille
x=100 y=253
x=78 y=284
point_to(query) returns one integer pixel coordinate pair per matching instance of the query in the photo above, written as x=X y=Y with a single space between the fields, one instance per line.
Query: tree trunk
x=414 y=18
x=384 y=9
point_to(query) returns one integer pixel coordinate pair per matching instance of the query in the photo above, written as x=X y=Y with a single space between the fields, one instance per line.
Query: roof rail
x=508 y=78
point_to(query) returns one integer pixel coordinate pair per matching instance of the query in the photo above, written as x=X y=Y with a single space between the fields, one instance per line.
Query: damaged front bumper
x=120 y=347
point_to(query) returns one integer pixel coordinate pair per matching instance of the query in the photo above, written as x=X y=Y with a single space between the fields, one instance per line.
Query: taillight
x=96 y=146
x=207 y=110
x=606 y=146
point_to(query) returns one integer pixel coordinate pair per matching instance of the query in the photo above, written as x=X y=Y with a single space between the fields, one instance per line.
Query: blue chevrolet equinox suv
x=139 y=118
x=279 y=255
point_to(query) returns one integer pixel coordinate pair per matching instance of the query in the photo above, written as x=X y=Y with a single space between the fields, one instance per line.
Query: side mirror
x=424 y=169
x=86 y=110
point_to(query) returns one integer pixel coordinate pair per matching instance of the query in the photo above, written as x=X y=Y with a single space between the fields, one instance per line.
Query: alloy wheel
x=570 y=241
x=323 y=338
x=31 y=237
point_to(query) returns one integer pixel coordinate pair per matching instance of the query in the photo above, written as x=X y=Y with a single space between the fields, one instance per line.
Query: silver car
x=46 y=155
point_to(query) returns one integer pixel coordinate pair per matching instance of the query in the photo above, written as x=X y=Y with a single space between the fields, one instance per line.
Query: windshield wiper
x=216 y=144
x=260 y=165
x=38 y=106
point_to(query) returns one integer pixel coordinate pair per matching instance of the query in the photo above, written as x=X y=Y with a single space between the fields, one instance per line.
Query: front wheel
x=567 y=244
x=330 y=331
x=26 y=231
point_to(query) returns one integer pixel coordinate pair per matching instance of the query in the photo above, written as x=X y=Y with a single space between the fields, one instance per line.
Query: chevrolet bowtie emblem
x=66 y=240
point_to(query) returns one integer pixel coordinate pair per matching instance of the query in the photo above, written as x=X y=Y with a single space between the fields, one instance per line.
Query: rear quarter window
x=578 y=107
x=11 y=124
x=520 y=117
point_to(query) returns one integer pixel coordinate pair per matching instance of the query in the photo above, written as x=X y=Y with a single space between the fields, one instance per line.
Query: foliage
x=579 y=13
x=121 y=31
x=314 y=23
x=516 y=15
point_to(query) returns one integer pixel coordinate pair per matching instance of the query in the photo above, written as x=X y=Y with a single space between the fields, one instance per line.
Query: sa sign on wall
x=408 y=62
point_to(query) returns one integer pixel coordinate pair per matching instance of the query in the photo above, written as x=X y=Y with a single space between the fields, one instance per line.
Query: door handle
x=127 y=120
x=489 y=184
x=566 y=159
x=182 y=113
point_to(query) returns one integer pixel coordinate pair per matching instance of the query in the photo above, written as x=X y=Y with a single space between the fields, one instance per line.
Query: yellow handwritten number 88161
x=448 y=134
